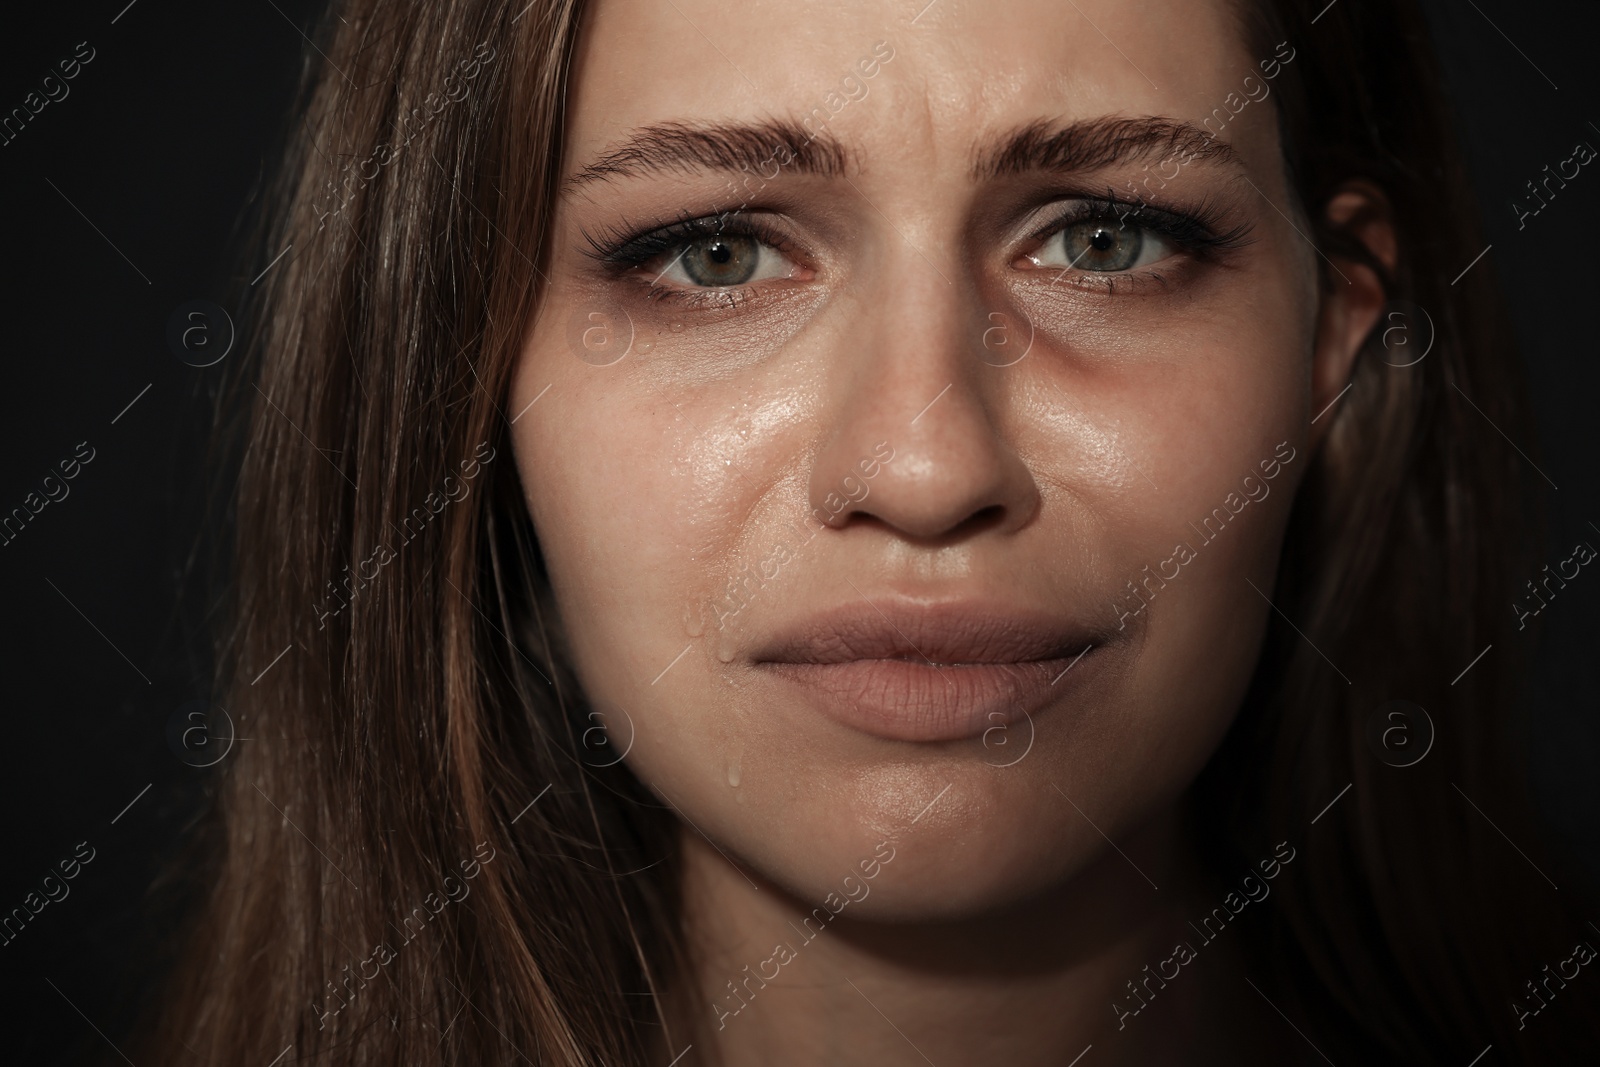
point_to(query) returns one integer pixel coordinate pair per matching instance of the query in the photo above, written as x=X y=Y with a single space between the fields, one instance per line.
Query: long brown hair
x=417 y=855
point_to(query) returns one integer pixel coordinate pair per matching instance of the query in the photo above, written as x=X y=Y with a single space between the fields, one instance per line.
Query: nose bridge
x=907 y=403
x=917 y=319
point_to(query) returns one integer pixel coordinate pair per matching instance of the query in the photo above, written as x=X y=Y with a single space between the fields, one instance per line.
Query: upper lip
x=945 y=633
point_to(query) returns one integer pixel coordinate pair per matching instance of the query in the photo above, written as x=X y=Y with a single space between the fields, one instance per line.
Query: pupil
x=1099 y=246
x=721 y=261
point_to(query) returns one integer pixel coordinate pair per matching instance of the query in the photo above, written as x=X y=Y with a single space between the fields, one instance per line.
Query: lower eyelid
x=699 y=298
x=1067 y=280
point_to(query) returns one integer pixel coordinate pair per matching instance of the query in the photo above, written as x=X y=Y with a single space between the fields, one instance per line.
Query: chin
x=932 y=841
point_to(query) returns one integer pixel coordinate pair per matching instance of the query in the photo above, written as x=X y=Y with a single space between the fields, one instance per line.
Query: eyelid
x=1197 y=232
x=628 y=248
x=700 y=298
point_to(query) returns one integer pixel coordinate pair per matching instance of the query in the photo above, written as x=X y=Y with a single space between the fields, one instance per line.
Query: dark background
x=134 y=195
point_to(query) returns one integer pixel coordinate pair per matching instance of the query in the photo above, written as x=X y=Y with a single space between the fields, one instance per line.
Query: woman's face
x=892 y=484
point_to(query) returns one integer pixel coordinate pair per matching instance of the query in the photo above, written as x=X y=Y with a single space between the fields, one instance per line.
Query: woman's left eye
x=723 y=260
x=1101 y=245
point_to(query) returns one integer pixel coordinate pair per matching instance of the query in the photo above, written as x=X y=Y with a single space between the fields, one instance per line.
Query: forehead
x=959 y=70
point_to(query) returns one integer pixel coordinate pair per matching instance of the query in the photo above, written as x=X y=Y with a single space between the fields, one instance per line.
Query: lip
x=915 y=671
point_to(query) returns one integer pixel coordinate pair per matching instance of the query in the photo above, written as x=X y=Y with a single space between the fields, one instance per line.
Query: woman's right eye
x=722 y=261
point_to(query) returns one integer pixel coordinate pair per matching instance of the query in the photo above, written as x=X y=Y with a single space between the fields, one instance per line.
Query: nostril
x=934 y=535
x=980 y=520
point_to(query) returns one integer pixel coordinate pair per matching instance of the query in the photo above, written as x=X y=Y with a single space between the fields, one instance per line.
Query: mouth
x=909 y=671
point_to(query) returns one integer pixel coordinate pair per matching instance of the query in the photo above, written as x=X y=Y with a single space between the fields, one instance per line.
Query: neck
x=1031 y=983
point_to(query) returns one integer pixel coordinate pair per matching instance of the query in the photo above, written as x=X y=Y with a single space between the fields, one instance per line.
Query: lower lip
x=906 y=700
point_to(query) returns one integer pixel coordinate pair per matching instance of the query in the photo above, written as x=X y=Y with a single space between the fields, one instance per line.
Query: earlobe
x=1356 y=294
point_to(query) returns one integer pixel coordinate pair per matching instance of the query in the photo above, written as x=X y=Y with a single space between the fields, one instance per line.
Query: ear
x=1356 y=292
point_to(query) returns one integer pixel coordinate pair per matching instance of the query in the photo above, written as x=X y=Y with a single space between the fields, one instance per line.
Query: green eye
x=1101 y=245
x=727 y=259
x=723 y=261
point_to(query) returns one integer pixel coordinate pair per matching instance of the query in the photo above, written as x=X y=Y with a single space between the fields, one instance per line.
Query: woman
x=845 y=533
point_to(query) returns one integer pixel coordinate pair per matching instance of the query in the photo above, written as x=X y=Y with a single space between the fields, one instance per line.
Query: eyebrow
x=683 y=147
x=1042 y=145
x=1098 y=143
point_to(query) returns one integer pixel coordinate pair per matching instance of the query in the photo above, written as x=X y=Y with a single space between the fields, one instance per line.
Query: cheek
x=1157 y=423
x=611 y=493
x=651 y=503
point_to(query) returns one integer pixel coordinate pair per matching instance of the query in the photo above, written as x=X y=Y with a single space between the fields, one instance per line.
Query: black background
x=132 y=196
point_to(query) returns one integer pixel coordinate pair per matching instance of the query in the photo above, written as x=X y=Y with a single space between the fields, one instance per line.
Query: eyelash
x=620 y=251
x=1197 y=232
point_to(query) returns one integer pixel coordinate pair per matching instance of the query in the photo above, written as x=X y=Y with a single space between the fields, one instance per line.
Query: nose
x=916 y=439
